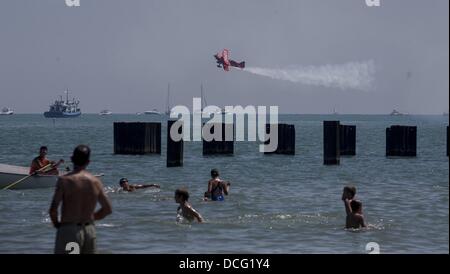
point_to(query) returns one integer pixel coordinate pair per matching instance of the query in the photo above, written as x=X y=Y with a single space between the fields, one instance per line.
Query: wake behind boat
x=64 y=109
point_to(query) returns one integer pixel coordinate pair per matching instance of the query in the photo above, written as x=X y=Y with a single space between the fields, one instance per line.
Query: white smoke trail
x=354 y=75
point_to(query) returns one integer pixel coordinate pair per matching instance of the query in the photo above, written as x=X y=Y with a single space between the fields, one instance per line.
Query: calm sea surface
x=277 y=204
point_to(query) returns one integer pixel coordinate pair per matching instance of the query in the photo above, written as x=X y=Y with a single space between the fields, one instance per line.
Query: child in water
x=216 y=187
x=353 y=208
x=355 y=219
x=185 y=210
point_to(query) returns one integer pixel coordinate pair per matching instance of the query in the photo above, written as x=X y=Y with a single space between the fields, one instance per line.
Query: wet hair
x=81 y=155
x=351 y=190
x=43 y=148
x=122 y=181
x=183 y=193
x=214 y=173
x=355 y=205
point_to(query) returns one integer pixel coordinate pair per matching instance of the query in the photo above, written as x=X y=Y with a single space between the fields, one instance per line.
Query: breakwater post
x=137 y=138
x=331 y=143
x=401 y=141
x=215 y=140
x=286 y=139
x=174 y=147
x=347 y=140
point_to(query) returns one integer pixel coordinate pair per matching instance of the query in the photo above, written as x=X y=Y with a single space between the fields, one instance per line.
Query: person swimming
x=355 y=219
x=216 y=187
x=185 y=211
x=125 y=186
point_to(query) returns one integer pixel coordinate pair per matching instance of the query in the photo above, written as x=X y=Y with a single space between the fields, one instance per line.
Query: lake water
x=277 y=204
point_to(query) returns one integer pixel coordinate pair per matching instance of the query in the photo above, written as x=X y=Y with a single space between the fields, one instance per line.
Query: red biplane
x=223 y=61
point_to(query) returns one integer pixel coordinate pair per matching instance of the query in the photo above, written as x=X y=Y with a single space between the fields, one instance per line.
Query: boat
x=105 y=112
x=152 y=112
x=396 y=113
x=204 y=104
x=63 y=109
x=10 y=174
x=7 y=111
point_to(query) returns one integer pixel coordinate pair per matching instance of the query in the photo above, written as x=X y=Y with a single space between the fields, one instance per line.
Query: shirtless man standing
x=79 y=191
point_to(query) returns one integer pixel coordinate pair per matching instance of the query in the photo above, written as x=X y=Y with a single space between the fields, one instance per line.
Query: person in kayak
x=41 y=161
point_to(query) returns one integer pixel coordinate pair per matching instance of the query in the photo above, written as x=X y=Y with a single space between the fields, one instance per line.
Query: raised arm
x=57 y=198
x=145 y=186
x=105 y=204
x=348 y=208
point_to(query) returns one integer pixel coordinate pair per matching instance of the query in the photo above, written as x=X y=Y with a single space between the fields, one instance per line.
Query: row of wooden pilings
x=338 y=140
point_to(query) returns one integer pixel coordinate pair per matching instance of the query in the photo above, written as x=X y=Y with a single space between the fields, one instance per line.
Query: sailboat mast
x=168 y=98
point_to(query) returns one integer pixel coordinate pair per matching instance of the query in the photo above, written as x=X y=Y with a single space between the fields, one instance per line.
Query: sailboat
x=204 y=103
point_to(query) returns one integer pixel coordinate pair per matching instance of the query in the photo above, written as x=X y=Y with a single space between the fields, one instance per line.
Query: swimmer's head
x=123 y=182
x=181 y=195
x=214 y=173
x=349 y=192
x=356 y=206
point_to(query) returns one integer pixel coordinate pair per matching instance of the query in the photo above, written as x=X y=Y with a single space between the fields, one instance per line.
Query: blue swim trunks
x=217 y=198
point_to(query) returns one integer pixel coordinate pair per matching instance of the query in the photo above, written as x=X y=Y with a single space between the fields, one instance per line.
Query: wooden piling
x=219 y=146
x=137 y=138
x=174 y=148
x=331 y=144
x=401 y=141
x=347 y=140
x=286 y=139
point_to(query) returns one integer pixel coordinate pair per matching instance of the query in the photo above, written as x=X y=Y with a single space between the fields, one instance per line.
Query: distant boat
x=64 y=109
x=335 y=112
x=396 y=113
x=138 y=113
x=152 y=112
x=7 y=111
x=105 y=112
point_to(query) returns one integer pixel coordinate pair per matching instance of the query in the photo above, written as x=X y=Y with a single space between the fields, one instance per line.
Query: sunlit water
x=278 y=204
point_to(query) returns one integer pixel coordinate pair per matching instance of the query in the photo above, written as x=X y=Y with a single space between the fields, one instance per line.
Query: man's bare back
x=79 y=192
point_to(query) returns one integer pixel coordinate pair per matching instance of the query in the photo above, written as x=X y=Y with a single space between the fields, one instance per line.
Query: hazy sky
x=120 y=54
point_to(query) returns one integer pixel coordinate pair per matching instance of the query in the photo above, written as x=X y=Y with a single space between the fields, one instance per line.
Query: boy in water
x=216 y=187
x=185 y=209
x=355 y=219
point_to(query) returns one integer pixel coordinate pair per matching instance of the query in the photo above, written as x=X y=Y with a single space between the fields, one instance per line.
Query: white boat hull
x=10 y=174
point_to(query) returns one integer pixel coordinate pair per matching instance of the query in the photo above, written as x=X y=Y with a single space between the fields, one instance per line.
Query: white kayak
x=10 y=174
